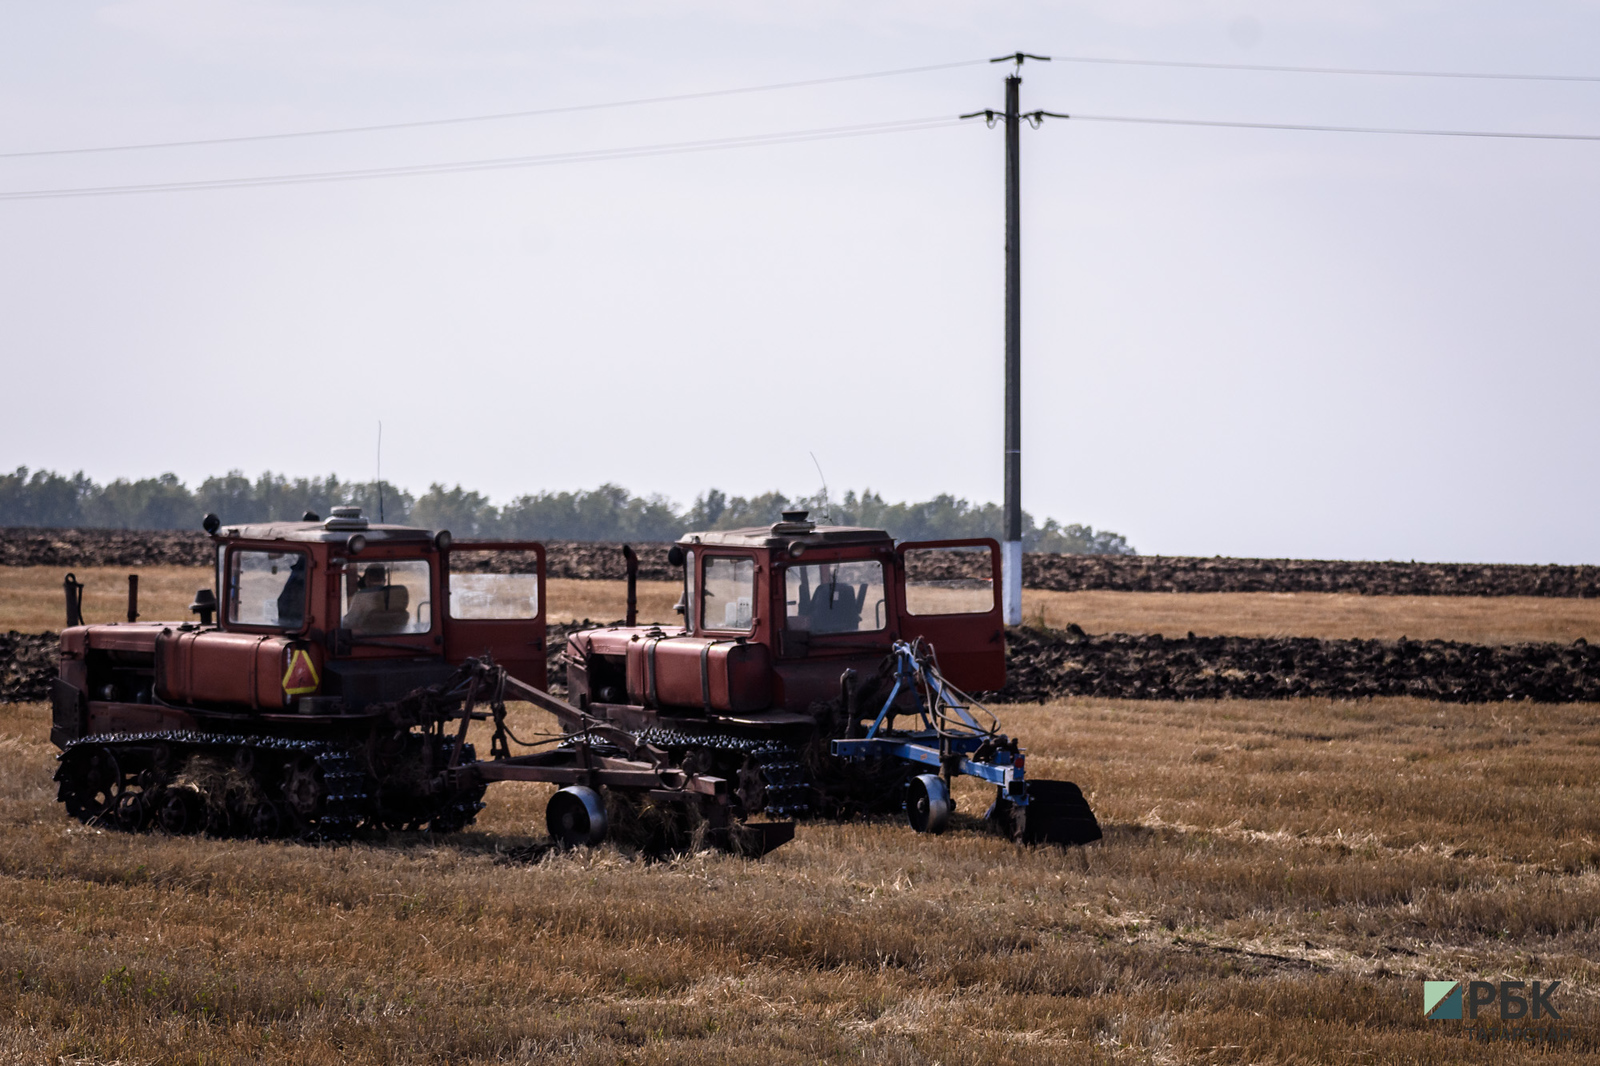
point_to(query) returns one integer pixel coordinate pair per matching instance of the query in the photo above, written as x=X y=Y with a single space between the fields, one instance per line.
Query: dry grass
x=31 y=600
x=1276 y=881
x=1475 y=619
x=606 y=601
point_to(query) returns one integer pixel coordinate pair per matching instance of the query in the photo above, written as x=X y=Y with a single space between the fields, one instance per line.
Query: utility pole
x=1011 y=546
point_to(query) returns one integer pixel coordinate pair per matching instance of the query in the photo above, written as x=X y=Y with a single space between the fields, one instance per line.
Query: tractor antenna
x=827 y=510
x=380 y=473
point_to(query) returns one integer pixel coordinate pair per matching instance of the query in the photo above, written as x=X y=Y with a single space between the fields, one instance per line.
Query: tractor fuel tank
x=730 y=676
x=213 y=667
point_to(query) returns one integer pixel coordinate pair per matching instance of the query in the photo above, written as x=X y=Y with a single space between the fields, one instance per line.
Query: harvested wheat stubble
x=1276 y=882
x=586 y=560
x=1049 y=664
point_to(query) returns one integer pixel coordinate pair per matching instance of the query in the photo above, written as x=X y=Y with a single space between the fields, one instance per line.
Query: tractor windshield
x=844 y=597
x=386 y=598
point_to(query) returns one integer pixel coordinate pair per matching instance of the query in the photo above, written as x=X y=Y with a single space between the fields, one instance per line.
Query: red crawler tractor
x=327 y=683
x=330 y=677
x=801 y=646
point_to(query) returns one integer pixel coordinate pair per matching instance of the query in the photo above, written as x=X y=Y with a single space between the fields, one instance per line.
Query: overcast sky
x=1235 y=341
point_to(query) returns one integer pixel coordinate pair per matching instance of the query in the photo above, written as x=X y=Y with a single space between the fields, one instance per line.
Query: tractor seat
x=379 y=611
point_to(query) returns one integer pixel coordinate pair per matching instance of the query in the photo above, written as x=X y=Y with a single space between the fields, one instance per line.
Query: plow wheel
x=576 y=816
x=928 y=804
x=91 y=783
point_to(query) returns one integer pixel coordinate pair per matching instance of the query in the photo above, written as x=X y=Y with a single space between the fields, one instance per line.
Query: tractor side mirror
x=675 y=556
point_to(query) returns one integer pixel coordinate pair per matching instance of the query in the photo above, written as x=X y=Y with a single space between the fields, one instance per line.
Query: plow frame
x=593 y=755
x=952 y=739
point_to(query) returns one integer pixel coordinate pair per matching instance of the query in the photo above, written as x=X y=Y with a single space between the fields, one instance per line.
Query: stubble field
x=1276 y=881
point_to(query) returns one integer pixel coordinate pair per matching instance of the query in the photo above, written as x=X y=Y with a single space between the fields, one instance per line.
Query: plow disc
x=1057 y=813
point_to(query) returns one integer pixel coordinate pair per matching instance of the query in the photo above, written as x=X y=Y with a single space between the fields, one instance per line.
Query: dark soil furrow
x=1045 y=664
x=1061 y=573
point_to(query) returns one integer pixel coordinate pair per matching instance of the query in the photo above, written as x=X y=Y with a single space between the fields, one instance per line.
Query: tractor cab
x=309 y=622
x=773 y=616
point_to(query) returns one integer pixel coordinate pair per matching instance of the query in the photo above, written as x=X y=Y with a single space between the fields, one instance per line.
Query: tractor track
x=238 y=785
x=769 y=774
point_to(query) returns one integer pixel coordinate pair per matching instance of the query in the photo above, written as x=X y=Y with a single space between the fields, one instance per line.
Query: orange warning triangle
x=301 y=677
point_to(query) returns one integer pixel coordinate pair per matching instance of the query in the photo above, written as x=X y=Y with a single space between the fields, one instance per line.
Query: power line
x=756 y=140
x=773 y=87
x=495 y=117
x=1332 y=129
x=1328 y=70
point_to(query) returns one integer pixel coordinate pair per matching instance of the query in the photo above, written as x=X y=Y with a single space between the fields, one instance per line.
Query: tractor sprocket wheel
x=302 y=786
x=752 y=788
x=91 y=783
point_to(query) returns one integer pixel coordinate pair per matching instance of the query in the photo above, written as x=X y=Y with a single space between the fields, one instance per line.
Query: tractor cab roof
x=333 y=530
x=794 y=529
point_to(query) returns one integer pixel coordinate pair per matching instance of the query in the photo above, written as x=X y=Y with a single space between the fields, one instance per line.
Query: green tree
x=463 y=513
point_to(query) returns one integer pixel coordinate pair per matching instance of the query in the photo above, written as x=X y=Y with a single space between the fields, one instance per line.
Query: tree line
x=43 y=498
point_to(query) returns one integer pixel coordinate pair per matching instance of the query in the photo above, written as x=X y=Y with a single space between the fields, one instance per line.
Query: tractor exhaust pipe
x=74 y=590
x=632 y=558
x=133 y=597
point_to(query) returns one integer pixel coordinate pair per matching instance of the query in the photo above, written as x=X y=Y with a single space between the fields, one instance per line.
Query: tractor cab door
x=950 y=596
x=494 y=603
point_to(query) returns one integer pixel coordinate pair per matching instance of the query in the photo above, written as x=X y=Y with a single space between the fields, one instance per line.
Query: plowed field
x=1061 y=573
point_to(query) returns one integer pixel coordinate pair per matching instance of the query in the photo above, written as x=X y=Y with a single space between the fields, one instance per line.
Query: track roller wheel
x=928 y=804
x=181 y=811
x=576 y=816
x=266 y=821
x=133 y=812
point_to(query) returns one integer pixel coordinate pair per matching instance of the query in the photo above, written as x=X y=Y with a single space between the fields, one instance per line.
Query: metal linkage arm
x=565 y=713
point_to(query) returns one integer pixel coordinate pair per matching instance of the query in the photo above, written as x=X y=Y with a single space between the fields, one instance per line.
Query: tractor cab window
x=386 y=597
x=949 y=580
x=844 y=597
x=501 y=584
x=688 y=591
x=267 y=589
x=728 y=593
